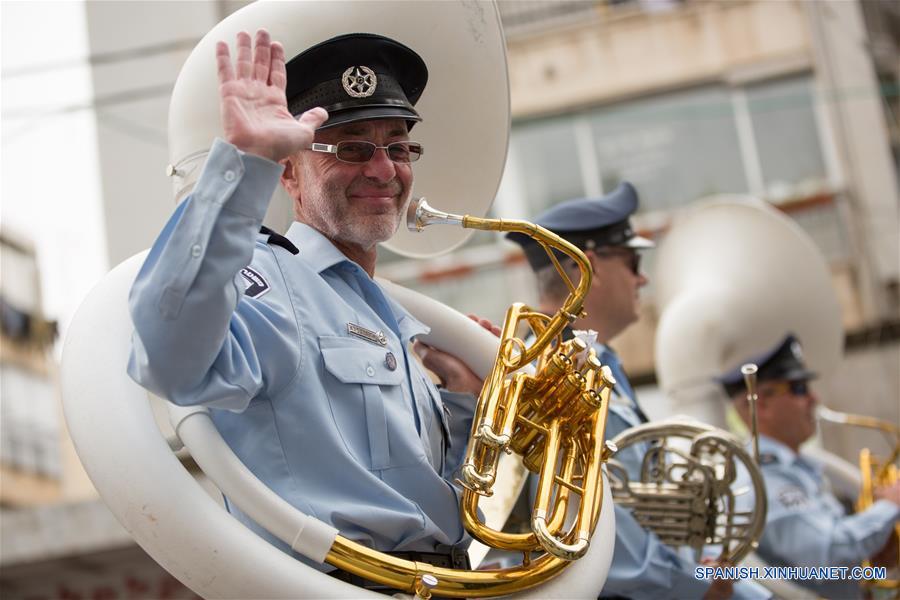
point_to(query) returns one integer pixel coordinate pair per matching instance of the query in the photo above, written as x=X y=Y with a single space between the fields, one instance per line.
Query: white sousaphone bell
x=733 y=275
x=129 y=454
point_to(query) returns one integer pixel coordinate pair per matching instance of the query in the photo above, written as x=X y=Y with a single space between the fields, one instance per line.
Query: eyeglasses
x=357 y=151
x=633 y=257
x=798 y=387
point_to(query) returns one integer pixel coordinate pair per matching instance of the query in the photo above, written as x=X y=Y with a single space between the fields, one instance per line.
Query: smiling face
x=354 y=205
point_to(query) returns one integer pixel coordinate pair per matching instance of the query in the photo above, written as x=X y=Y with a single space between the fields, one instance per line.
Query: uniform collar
x=604 y=352
x=409 y=326
x=320 y=254
x=784 y=455
x=316 y=249
x=781 y=453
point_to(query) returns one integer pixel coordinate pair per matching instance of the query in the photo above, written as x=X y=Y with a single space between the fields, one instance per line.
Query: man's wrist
x=260 y=152
x=464 y=385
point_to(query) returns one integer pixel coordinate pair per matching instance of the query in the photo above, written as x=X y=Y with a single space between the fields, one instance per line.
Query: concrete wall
x=845 y=72
x=867 y=382
x=142 y=46
x=640 y=52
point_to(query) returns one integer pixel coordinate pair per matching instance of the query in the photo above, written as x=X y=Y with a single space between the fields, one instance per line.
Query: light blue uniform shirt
x=642 y=566
x=349 y=430
x=807 y=527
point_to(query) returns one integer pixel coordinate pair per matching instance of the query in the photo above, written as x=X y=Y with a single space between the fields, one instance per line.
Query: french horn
x=684 y=490
x=112 y=420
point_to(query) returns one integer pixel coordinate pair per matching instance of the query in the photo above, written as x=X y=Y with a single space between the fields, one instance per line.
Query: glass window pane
x=787 y=138
x=545 y=160
x=674 y=148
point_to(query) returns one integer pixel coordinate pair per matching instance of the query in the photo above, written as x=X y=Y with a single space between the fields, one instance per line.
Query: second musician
x=642 y=567
x=806 y=526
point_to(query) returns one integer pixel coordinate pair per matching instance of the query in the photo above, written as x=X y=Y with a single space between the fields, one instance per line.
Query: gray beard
x=364 y=231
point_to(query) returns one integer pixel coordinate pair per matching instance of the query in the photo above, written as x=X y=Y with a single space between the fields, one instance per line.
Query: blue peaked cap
x=783 y=362
x=587 y=223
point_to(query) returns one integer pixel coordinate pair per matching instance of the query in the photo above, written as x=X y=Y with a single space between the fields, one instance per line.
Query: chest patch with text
x=792 y=497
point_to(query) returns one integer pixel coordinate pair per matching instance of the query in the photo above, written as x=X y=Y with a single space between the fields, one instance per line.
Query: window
x=792 y=164
x=674 y=148
x=544 y=158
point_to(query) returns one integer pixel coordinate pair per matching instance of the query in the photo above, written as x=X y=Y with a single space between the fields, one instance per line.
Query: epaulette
x=276 y=239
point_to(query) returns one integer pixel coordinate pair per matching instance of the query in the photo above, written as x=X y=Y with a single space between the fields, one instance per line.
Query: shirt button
x=229 y=176
x=370 y=371
x=196 y=250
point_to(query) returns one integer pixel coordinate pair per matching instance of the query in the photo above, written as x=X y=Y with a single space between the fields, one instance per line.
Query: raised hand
x=254 y=109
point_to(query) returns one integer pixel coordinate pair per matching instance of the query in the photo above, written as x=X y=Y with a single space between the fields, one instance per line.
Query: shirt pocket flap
x=356 y=361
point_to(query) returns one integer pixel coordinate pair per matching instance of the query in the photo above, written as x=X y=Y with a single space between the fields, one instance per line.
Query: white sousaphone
x=733 y=276
x=130 y=455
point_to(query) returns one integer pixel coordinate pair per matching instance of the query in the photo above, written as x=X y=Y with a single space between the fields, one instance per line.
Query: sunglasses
x=797 y=387
x=632 y=257
x=356 y=151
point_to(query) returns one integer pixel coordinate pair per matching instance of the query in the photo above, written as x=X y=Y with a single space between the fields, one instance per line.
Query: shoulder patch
x=792 y=497
x=256 y=283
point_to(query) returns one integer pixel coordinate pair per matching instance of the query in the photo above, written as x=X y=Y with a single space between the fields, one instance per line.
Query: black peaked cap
x=782 y=362
x=356 y=77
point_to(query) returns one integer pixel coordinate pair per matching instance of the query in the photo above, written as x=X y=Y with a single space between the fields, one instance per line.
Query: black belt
x=457 y=558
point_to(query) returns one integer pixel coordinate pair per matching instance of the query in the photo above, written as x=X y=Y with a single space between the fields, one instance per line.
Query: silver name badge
x=376 y=337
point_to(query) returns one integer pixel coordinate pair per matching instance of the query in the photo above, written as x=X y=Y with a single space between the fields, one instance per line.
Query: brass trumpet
x=875 y=472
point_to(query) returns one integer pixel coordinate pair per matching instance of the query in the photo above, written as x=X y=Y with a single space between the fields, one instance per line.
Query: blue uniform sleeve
x=801 y=536
x=643 y=567
x=197 y=339
x=747 y=589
